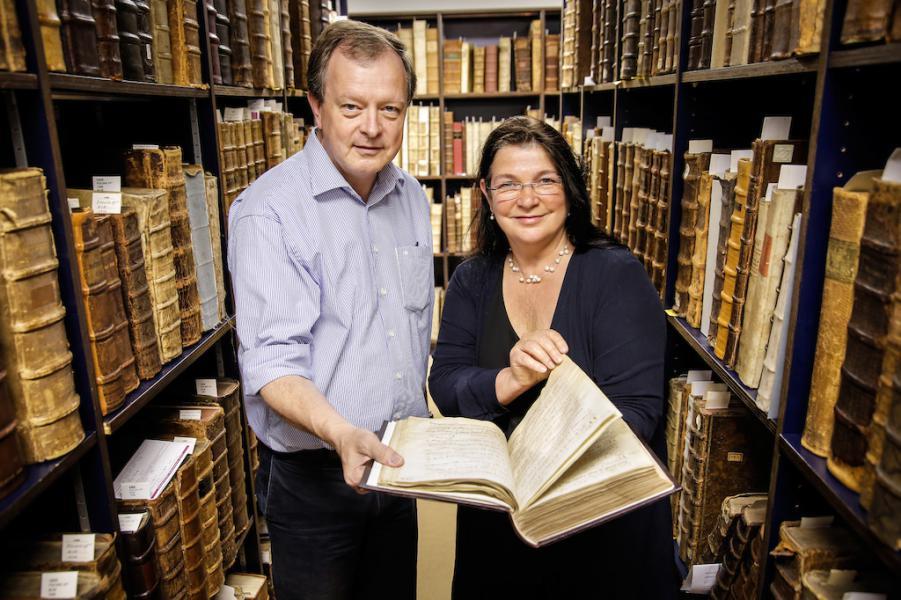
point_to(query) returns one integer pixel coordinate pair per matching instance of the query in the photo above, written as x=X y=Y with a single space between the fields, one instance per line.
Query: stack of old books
x=33 y=340
x=736 y=542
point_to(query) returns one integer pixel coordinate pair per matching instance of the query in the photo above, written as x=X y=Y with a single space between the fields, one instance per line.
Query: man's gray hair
x=359 y=41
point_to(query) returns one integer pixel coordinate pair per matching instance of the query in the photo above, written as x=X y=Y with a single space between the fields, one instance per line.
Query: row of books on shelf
x=150 y=266
x=518 y=63
x=252 y=43
x=252 y=140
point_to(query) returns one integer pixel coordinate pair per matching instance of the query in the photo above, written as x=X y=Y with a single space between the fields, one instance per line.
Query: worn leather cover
x=780 y=44
x=709 y=12
x=718 y=542
x=732 y=246
x=551 y=63
x=195 y=186
x=522 y=61
x=675 y=428
x=50 y=35
x=659 y=248
x=849 y=209
x=694 y=36
x=866 y=21
x=288 y=50
x=130 y=47
x=79 y=37
x=192 y=41
x=228 y=159
x=885 y=506
x=12 y=52
x=272 y=131
x=239 y=43
x=741 y=550
x=104 y=12
x=699 y=254
x=152 y=208
x=223 y=33
x=692 y=218
x=212 y=207
x=629 y=39
x=43 y=552
x=804 y=549
x=33 y=339
x=810 y=26
x=770 y=244
x=275 y=43
x=260 y=43
x=141 y=571
x=12 y=473
x=175 y=11
x=26 y=585
x=877 y=278
x=646 y=38
x=212 y=41
x=299 y=20
x=161 y=169
x=641 y=183
x=163 y=64
x=145 y=35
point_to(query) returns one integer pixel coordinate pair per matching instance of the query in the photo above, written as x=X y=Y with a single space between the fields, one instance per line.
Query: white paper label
x=145 y=147
x=669 y=141
x=189 y=414
x=817 y=522
x=626 y=135
x=700 y=146
x=607 y=134
x=791 y=177
x=841 y=577
x=737 y=155
x=190 y=441
x=149 y=55
x=700 y=579
x=783 y=153
x=769 y=191
x=106 y=203
x=135 y=490
x=78 y=547
x=108 y=183
x=256 y=105
x=603 y=122
x=205 y=387
x=226 y=592
x=267 y=557
x=715 y=399
x=719 y=164
x=129 y=522
x=61 y=584
x=892 y=171
x=775 y=128
x=640 y=134
x=698 y=375
x=863 y=596
x=73 y=203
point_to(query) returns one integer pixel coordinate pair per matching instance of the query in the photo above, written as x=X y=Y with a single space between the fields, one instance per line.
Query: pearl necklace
x=525 y=278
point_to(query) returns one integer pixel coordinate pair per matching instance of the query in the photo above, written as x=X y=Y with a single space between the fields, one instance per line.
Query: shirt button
x=391 y=333
x=398 y=375
x=383 y=291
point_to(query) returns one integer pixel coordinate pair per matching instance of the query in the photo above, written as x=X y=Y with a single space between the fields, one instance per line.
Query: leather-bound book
x=738 y=38
x=130 y=47
x=79 y=37
x=319 y=17
x=709 y=13
x=12 y=52
x=698 y=258
x=287 y=48
x=691 y=214
x=145 y=36
x=152 y=210
x=255 y=587
x=33 y=339
x=272 y=132
x=191 y=530
x=725 y=529
x=719 y=54
x=192 y=41
x=649 y=16
x=139 y=564
x=723 y=459
x=766 y=43
x=212 y=208
x=659 y=249
x=504 y=64
x=212 y=41
x=551 y=62
x=195 y=187
x=780 y=35
x=849 y=209
x=640 y=193
x=418 y=54
x=568 y=44
x=803 y=549
x=866 y=21
x=163 y=68
x=537 y=46
x=223 y=34
x=876 y=282
x=661 y=43
x=604 y=191
x=809 y=24
x=104 y=12
x=885 y=505
x=636 y=225
x=642 y=33
x=620 y=151
x=26 y=585
x=694 y=40
x=275 y=44
x=228 y=158
x=161 y=169
x=755 y=46
x=675 y=427
x=260 y=43
x=607 y=62
x=239 y=43
x=432 y=59
x=629 y=39
x=522 y=56
x=259 y=149
x=626 y=206
x=770 y=244
x=593 y=158
x=50 y=35
x=727 y=201
x=491 y=71
x=101 y=288
x=12 y=473
x=478 y=69
x=673 y=36
x=655 y=36
x=452 y=66
x=740 y=561
x=175 y=10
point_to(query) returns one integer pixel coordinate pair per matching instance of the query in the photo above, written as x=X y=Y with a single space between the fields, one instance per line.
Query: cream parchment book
x=571 y=464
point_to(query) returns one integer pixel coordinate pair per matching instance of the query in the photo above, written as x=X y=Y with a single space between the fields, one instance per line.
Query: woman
x=544 y=282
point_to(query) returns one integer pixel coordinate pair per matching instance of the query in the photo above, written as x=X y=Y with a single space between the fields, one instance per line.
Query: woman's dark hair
x=521 y=131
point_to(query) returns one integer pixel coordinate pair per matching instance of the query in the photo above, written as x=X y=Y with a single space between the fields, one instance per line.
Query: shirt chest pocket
x=415 y=266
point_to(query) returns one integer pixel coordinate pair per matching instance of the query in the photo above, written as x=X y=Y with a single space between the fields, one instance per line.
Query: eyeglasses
x=511 y=190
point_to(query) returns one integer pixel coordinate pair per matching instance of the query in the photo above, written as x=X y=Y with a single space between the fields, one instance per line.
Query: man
x=333 y=275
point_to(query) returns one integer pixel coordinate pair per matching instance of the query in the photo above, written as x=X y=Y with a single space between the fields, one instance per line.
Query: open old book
x=572 y=462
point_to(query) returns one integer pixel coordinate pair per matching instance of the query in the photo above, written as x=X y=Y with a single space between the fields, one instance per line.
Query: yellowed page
x=450 y=455
x=560 y=426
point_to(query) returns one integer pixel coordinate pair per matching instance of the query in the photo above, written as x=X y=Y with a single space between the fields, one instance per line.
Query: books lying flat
x=571 y=464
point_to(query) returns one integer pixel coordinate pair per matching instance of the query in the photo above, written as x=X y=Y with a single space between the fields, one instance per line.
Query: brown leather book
x=568 y=45
x=719 y=542
x=152 y=209
x=885 y=506
x=803 y=549
x=12 y=52
x=876 y=282
x=661 y=43
x=737 y=579
x=490 y=69
x=287 y=48
x=866 y=21
x=33 y=339
x=145 y=35
x=104 y=12
x=273 y=136
x=849 y=209
x=643 y=178
x=659 y=248
x=691 y=216
x=620 y=151
x=719 y=54
x=239 y=42
x=698 y=258
x=222 y=26
x=79 y=37
x=161 y=169
x=646 y=41
x=597 y=16
x=452 y=66
x=723 y=459
x=628 y=177
x=607 y=60
x=551 y=62
x=708 y=13
x=673 y=36
x=781 y=33
x=694 y=40
x=50 y=35
x=537 y=47
x=522 y=57
x=275 y=45
x=478 y=69
x=12 y=473
x=130 y=47
x=164 y=70
x=178 y=41
x=212 y=207
x=139 y=567
x=675 y=428
x=810 y=25
x=755 y=45
x=629 y=40
x=259 y=150
x=604 y=191
x=228 y=161
x=101 y=288
x=212 y=41
x=728 y=184
x=204 y=266
x=192 y=40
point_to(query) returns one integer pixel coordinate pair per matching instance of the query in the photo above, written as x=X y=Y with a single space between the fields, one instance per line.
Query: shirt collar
x=324 y=175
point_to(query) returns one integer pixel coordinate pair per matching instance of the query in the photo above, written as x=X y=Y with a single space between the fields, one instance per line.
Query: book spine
x=694 y=40
x=699 y=253
x=107 y=38
x=629 y=39
x=697 y=164
x=213 y=42
x=728 y=206
x=866 y=21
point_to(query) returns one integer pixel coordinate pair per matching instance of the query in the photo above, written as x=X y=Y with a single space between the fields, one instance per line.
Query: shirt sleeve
x=630 y=330
x=277 y=303
x=457 y=386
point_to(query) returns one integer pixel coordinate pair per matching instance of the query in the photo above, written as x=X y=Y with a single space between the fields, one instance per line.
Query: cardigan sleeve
x=629 y=329
x=457 y=386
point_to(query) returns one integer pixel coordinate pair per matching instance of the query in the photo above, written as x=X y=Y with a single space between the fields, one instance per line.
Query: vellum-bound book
x=199 y=218
x=550 y=491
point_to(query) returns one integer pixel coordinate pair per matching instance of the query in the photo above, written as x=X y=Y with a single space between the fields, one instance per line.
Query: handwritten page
x=567 y=418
